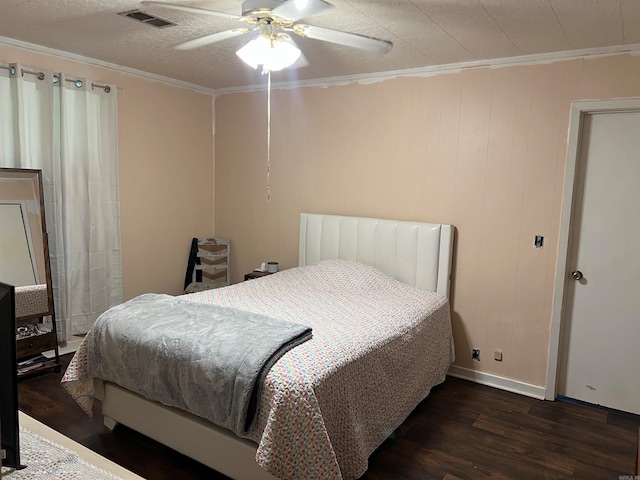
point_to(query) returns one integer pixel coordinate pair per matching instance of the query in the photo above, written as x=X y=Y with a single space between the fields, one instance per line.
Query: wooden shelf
x=43 y=366
x=31 y=348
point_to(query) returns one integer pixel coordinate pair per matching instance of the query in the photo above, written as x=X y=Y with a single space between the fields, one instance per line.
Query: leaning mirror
x=25 y=264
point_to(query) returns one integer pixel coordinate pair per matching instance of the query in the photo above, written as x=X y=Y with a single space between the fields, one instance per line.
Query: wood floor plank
x=597 y=436
x=624 y=420
x=588 y=471
x=568 y=443
x=406 y=459
x=539 y=448
x=565 y=413
x=461 y=431
x=508 y=456
x=482 y=398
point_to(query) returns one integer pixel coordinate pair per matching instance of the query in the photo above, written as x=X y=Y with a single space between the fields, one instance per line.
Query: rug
x=48 y=460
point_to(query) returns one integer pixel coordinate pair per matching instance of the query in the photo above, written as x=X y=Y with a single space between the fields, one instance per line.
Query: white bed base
x=416 y=253
x=203 y=441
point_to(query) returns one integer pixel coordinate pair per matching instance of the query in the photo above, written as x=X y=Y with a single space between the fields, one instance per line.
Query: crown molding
x=363 y=79
x=31 y=47
x=432 y=70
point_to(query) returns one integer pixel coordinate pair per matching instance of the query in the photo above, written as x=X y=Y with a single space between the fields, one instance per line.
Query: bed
x=374 y=294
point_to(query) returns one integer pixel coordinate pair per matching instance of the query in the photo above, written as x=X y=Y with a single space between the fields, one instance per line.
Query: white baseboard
x=482 y=378
x=498 y=382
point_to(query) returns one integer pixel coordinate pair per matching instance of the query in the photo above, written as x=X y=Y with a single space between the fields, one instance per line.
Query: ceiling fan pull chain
x=269 y=137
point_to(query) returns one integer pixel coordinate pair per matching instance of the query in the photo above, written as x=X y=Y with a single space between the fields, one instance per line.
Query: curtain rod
x=56 y=78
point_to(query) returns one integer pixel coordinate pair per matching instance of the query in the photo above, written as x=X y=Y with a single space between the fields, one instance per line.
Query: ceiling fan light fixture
x=273 y=52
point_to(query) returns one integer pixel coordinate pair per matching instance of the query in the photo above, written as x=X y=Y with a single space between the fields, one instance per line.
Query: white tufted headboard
x=415 y=253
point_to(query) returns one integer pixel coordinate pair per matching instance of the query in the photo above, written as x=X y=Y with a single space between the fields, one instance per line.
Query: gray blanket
x=206 y=359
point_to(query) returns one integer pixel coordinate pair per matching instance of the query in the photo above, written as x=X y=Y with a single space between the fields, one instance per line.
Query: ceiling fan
x=269 y=21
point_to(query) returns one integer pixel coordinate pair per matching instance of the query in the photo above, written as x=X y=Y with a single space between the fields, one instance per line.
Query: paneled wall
x=483 y=149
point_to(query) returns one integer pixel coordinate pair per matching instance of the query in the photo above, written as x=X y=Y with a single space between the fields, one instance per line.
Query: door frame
x=579 y=110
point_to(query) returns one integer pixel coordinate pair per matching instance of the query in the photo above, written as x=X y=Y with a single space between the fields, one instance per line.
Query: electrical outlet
x=475 y=354
x=497 y=355
x=538 y=241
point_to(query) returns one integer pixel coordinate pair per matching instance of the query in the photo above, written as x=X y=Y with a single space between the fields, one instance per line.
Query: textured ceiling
x=424 y=33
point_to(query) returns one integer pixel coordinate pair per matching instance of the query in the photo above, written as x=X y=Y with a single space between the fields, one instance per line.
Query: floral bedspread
x=378 y=348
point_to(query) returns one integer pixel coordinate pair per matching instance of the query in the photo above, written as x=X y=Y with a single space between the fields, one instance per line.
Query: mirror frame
x=36 y=177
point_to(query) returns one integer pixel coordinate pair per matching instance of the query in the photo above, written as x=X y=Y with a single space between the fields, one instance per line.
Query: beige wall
x=483 y=149
x=165 y=150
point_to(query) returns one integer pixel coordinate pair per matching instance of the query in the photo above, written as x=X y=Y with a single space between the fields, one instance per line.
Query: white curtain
x=68 y=129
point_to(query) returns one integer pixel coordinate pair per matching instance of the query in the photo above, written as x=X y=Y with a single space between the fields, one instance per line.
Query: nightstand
x=255 y=274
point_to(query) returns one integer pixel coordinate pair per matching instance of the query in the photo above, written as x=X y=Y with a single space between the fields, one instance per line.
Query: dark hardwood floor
x=461 y=431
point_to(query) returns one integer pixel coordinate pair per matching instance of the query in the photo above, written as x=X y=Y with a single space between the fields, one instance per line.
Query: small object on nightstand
x=255 y=274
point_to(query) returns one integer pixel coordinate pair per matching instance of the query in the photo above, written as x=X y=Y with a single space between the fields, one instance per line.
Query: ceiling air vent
x=146 y=18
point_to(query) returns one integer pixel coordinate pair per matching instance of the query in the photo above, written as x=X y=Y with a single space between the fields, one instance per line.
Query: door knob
x=576 y=275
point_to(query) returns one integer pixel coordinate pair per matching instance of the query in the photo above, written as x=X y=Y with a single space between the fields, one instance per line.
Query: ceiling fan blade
x=296 y=9
x=186 y=8
x=209 y=39
x=343 y=38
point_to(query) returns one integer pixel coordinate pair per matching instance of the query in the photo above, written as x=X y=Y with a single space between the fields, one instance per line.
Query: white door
x=599 y=361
